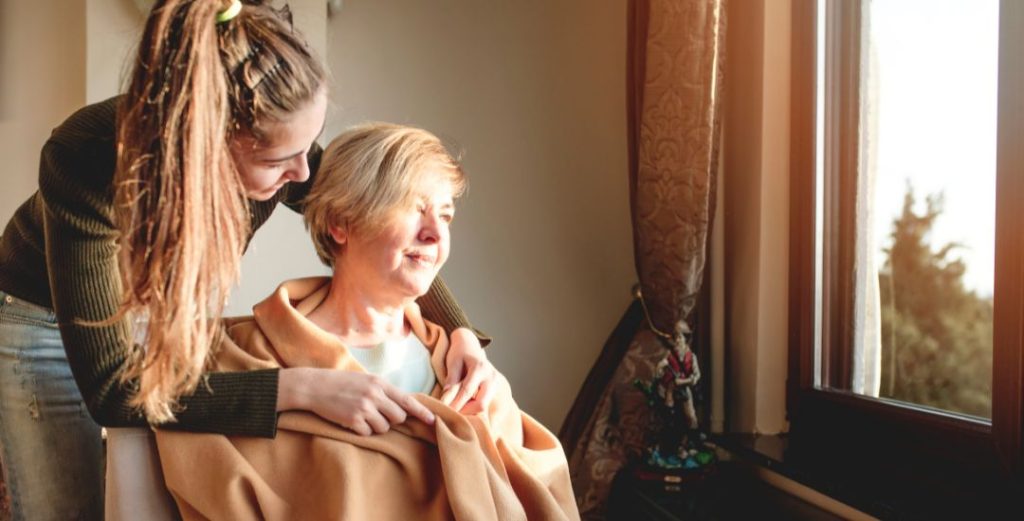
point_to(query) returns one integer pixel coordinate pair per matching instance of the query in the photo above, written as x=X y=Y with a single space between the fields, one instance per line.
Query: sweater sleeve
x=438 y=305
x=81 y=258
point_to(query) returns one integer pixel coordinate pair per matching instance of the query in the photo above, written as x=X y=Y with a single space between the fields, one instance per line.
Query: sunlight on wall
x=42 y=80
x=532 y=93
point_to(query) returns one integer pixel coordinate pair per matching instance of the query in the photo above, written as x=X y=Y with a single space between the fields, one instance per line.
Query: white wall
x=113 y=29
x=756 y=214
x=42 y=79
x=534 y=94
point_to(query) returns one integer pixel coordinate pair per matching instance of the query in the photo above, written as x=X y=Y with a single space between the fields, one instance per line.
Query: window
x=907 y=273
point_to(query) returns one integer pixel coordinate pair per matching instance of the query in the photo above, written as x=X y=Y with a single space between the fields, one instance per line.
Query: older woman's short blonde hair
x=368 y=171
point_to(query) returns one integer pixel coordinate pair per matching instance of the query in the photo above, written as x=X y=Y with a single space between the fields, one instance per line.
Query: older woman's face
x=404 y=257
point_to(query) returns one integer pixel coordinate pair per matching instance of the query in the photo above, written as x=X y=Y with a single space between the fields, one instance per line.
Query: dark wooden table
x=730 y=491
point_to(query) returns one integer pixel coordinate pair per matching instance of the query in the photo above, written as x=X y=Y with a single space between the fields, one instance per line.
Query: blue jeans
x=50 y=448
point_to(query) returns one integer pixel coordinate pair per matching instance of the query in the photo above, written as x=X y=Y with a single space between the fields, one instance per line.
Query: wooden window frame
x=922 y=455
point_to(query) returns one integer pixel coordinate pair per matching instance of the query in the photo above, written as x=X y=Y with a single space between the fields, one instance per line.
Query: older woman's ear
x=338 y=233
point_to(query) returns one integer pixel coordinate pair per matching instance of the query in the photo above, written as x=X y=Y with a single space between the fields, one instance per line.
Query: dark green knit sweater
x=59 y=251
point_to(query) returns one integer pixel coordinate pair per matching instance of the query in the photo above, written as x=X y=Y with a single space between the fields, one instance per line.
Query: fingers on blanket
x=371 y=409
x=455 y=367
x=377 y=422
x=486 y=393
x=366 y=419
x=479 y=376
x=408 y=405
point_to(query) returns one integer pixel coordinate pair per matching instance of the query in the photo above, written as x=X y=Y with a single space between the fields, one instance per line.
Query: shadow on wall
x=5 y=59
x=5 y=508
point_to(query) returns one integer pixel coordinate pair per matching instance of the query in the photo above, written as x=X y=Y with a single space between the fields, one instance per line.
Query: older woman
x=483 y=460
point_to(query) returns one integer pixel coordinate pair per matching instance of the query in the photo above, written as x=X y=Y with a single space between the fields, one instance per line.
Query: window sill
x=887 y=489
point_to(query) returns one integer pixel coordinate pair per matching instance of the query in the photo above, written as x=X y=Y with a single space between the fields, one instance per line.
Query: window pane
x=925 y=205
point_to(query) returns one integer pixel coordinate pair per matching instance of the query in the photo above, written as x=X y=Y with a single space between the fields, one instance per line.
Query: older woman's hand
x=467 y=365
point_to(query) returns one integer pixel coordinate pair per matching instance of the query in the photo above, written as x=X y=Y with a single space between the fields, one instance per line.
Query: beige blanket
x=495 y=465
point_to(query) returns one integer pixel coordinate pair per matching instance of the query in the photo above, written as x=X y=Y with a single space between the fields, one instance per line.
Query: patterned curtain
x=675 y=80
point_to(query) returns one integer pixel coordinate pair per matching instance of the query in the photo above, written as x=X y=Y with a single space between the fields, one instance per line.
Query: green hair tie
x=231 y=12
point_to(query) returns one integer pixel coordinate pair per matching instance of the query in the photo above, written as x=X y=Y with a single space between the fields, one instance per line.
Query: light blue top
x=403 y=363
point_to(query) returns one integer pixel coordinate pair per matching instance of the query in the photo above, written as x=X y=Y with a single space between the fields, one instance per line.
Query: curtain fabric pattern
x=674 y=84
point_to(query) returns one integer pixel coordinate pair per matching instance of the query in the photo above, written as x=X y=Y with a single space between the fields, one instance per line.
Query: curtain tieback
x=671 y=340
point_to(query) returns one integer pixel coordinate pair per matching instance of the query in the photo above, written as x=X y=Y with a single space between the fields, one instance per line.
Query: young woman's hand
x=361 y=402
x=468 y=365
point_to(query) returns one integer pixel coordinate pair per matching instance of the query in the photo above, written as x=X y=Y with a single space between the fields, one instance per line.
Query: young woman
x=114 y=275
